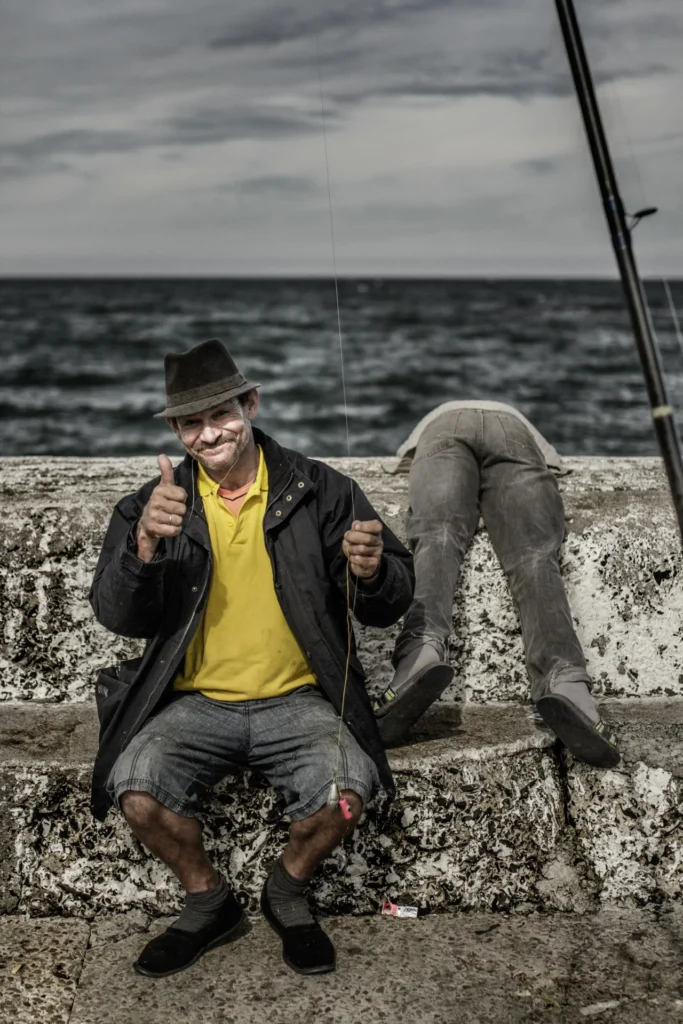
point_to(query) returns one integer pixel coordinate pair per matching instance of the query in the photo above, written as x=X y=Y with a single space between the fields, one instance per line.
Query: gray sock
x=200 y=907
x=287 y=897
x=579 y=694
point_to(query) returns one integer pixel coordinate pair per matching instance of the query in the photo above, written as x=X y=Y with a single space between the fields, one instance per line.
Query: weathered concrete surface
x=486 y=817
x=614 y=967
x=40 y=964
x=478 y=817
x=629 y=822
x=622 y=566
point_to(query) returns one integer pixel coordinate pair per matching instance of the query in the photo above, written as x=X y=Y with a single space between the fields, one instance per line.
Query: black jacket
x=310 y=507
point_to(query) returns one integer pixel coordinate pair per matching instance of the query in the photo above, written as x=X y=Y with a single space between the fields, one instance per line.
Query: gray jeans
x=473 y=462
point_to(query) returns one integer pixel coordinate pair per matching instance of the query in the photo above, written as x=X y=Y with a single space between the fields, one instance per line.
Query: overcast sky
x=160 y=136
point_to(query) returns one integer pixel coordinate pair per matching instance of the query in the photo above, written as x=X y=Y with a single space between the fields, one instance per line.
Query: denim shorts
x=195 y=741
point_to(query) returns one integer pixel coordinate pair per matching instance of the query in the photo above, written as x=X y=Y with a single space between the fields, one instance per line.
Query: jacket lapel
x=194 y=524
x=287 y=485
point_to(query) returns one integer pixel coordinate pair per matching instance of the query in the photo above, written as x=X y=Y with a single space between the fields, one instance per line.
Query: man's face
x=217 y=437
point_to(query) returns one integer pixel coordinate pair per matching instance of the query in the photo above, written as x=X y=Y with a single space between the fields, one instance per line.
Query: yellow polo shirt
x=243 y=648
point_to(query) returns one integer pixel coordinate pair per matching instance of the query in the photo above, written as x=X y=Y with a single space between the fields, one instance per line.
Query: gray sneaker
x=588 y=738
x=420 y=679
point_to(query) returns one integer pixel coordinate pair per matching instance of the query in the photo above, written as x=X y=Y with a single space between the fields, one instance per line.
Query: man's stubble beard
x=241 y=446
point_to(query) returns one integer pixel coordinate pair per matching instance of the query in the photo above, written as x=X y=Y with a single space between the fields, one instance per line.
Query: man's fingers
x=158 y=530
x=357 y=539
x=165 y=530
x=372 y=550
x=360 y=562
x=364 y=568
x=165 y=508
x=163 y=493
x=367 y=526
x=166 y=470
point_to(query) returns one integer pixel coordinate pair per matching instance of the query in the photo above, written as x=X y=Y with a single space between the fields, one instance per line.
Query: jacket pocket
x=112 y=686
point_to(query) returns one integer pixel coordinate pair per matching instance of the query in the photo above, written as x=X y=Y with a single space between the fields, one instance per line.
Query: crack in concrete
x=578 y=950
x=86 y=947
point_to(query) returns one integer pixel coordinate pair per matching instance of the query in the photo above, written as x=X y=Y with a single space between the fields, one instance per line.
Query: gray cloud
x=502 y=82
x=295 y=22
x=202 y=126
x=222 y=124
x=289 y=185
x=82 y=84
x=539 y=166
x=83 y=141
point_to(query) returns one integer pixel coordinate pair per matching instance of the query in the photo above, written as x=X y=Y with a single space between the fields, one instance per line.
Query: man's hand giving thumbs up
x=163 y=514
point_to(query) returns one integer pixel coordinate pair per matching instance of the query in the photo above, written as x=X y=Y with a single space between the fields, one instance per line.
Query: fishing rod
x=620 y=232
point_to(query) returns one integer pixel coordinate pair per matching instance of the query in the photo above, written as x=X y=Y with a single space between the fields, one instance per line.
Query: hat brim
x=201 y=404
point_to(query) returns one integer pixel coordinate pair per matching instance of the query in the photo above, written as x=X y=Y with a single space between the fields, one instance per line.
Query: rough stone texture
x=40 y=964
x=622 y=566
x=477 y=819
x=629 y=822
x=613 y=967
x=40 y=732
x=486 y=817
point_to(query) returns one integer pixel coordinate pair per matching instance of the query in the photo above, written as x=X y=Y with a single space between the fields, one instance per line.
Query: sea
x=81 y=361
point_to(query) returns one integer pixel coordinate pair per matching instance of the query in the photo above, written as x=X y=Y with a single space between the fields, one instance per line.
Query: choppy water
x=82 y=361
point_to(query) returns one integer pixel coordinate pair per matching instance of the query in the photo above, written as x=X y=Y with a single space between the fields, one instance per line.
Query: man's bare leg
x=177 y=840
x=173 y=838
x=314 y=838
x=310 y=841
x=211 y=914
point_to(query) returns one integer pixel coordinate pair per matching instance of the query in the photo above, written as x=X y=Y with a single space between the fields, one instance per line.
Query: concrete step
x=487 y=817
x=621 y=562
x=615 y=967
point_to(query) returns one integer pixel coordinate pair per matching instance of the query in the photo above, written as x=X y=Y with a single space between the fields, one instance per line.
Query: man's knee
x=141 y=810
x=307 y=828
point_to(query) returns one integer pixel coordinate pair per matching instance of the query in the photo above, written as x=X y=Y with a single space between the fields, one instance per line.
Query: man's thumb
x=166 y=470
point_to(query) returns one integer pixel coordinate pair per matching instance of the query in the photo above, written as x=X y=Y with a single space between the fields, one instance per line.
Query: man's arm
x=127 y=592
x=381 y=600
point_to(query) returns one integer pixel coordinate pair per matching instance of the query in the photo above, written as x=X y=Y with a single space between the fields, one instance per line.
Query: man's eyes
x=222 y=414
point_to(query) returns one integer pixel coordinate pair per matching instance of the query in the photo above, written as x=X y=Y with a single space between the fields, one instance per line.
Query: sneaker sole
x=325 y=969
x=232 y=933
x=395 y=718
x=579 y=735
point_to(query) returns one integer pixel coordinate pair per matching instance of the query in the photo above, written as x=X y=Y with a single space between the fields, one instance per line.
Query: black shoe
x=592 y=742
x=396 y=712
x=305 y=947
x=175 y=949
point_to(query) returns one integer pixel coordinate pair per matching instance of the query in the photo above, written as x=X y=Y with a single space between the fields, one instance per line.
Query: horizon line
x=601 y=278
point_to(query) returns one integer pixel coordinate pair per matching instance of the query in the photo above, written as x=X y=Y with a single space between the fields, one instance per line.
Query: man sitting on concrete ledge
x=242 y=594
x=468 y=459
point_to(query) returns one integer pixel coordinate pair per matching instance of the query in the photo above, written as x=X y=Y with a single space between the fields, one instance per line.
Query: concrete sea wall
x=490 y=814
x=621 y=563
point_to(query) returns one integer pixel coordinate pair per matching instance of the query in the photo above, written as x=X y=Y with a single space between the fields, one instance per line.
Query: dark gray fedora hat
x=204 y=376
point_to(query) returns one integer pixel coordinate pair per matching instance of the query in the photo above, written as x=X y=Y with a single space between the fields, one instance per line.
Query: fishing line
x=334 y=250
x=618 y=106
x=334 y=797
x=674 y=313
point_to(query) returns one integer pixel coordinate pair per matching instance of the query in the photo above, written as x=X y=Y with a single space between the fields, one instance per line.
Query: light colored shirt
x=407 y=449
x=243 y=648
